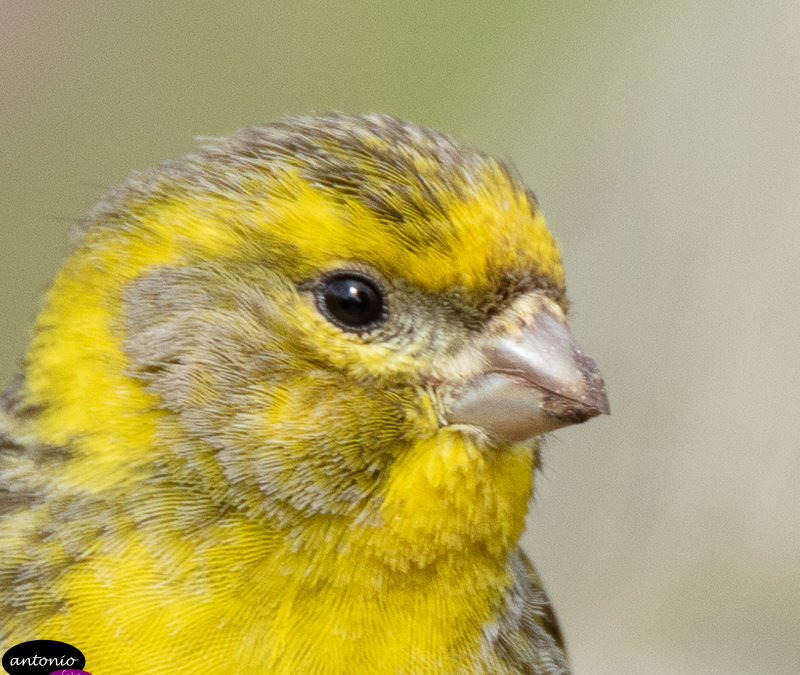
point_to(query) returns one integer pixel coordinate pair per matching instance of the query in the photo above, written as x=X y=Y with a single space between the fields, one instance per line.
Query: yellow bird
x=281 y=414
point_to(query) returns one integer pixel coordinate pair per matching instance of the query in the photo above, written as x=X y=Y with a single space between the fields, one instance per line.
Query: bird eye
x=351 y=301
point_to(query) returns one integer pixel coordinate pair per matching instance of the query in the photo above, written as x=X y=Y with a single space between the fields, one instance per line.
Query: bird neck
x=430 y=564
x=450 y=507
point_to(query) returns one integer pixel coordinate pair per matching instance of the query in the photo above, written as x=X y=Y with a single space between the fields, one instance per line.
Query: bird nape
x=281 y=414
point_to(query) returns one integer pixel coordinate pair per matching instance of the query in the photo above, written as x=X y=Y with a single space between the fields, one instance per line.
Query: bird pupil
x=352 y=302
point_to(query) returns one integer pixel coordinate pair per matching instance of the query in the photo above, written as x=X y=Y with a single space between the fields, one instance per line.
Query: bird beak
x=533 y=377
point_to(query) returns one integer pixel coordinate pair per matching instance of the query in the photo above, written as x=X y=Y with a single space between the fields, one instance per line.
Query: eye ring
x=351 y=300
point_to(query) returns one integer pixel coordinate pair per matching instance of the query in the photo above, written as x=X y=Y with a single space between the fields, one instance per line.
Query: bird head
x=288 y=315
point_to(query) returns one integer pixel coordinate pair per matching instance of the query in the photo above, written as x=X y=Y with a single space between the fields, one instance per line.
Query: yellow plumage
x=212 y=462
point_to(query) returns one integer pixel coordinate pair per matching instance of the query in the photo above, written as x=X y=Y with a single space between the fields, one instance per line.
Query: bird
x=282 y=411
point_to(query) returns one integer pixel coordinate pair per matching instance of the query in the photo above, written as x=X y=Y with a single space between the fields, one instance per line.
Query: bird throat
x=431 y=566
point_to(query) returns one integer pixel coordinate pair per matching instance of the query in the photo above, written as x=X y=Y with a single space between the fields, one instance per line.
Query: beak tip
x=571 y=411
x=600 y=402
x=595 y=397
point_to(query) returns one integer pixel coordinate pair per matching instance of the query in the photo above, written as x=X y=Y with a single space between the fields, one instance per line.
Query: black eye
x=351 y=301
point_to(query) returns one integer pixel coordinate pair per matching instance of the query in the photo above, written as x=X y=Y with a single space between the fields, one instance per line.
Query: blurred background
x=663 y=142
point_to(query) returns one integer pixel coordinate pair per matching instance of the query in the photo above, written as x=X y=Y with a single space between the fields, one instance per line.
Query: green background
x=662 y=141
